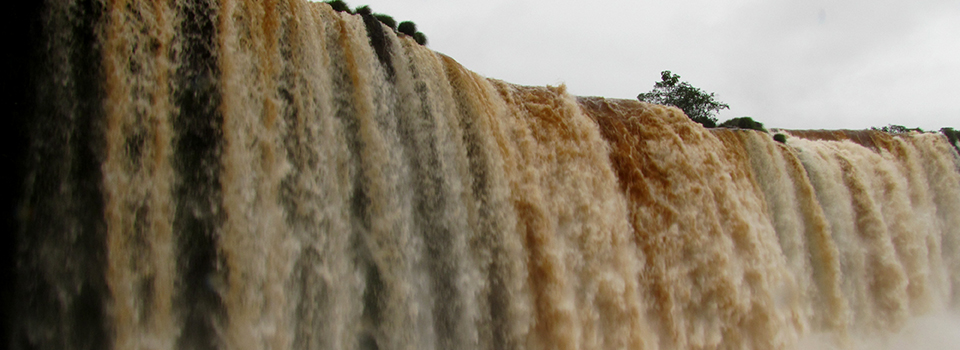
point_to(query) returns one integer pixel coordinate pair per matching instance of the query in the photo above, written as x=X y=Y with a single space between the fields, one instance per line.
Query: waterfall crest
x=246 y=174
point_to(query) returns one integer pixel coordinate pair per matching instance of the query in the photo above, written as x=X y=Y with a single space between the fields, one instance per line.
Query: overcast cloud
x=812 y=64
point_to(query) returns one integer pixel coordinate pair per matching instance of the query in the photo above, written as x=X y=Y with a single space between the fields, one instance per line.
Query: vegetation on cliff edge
x=406 y=27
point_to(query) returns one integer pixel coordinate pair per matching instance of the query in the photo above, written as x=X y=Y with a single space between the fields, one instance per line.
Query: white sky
x=815 y=64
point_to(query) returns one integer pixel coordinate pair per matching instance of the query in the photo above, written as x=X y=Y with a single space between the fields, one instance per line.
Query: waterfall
x=247 y=174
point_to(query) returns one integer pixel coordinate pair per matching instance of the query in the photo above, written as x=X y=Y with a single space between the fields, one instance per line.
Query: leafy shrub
x=408 y=28
x=743 y=123
x=339 y=6
x=386 y=20
x=363 y=10
x=420 y=38
x=781 y=138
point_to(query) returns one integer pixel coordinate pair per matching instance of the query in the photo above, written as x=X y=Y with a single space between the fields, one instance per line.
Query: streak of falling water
x=802 y=229
x=138 y=173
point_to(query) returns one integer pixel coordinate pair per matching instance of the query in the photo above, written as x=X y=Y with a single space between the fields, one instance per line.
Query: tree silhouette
x=697 y=104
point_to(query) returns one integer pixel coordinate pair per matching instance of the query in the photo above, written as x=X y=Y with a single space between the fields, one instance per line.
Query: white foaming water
x=936 y=331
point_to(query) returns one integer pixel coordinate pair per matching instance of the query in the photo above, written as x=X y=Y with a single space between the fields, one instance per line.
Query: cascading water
x=276 y=175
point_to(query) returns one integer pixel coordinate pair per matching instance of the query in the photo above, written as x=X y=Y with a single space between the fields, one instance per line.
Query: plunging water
x=277 y=175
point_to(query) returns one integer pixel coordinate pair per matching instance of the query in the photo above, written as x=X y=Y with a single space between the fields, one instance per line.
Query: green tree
x=420 y=38
x=781 y=138
x=743 y=123
x=697 y=104
x=410 y=28
x=407 y=27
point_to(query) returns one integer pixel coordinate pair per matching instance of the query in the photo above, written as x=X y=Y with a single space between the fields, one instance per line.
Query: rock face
x=278 y=175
